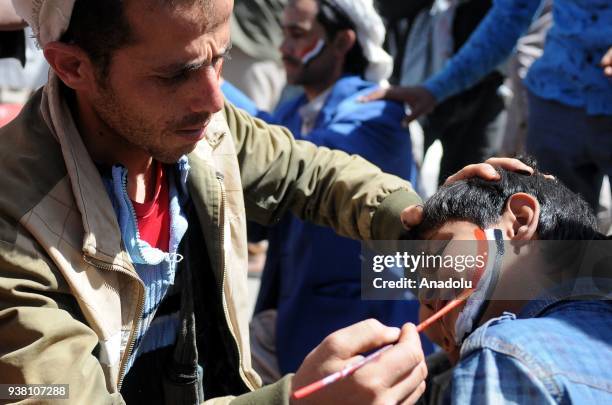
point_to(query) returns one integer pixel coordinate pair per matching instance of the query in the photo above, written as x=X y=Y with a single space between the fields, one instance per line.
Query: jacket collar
x=102 y=238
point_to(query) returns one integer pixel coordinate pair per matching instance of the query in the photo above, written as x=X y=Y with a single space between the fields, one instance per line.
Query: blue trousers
x=571 y=145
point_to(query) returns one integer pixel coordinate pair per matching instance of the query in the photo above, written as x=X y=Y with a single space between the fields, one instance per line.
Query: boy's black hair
x=564 y=215
x=333 y=20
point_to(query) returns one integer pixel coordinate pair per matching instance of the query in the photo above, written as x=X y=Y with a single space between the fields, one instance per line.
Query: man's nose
x=206 y=94
x=286 y=47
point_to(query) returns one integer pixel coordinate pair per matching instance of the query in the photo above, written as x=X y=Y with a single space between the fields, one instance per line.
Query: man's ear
x=521 y=216
x=71 y=64
x=344 y=41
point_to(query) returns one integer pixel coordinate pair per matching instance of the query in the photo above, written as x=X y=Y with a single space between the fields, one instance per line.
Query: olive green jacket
x=70 y=299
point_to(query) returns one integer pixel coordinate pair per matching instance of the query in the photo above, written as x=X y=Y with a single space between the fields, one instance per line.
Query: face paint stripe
x=313 y=51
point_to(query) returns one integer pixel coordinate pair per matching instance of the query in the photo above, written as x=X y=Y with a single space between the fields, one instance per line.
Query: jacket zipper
x=224 y=278
x=131 y=340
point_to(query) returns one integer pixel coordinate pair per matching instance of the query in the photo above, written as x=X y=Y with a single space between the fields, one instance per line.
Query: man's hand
x=396 y=377
x=420 y=100
x=606 y=63
x=413 y=215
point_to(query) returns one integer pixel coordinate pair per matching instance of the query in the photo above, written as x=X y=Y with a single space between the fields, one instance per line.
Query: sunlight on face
x=163 y=88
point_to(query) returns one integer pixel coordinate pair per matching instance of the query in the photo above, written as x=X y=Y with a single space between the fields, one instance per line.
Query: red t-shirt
x=154 y=216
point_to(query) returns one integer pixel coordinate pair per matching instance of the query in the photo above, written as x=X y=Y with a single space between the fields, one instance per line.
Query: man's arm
x=326 y=187
x=488 y=46
x=490 y=377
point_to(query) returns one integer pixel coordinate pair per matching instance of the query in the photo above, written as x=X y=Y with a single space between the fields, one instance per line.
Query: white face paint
x=468 y=318
x=314 y=52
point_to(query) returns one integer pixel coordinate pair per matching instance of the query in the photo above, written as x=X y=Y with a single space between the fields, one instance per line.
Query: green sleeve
x=41 y=339
x=327 y=187
x=274 y=394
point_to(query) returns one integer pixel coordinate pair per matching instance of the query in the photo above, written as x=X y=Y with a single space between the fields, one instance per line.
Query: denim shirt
x=568 y=71
x=155 y=267
x=554 y=352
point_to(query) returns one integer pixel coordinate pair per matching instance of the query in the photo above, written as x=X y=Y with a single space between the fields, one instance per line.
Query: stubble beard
x=132 y=128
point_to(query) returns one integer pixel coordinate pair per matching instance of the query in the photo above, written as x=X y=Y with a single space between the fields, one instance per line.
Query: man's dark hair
x=564 y=215
x=333 y=20
x=99 y=28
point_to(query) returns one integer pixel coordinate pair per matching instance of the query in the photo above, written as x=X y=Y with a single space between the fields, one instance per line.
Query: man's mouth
x=195 y=133
x=291 y=61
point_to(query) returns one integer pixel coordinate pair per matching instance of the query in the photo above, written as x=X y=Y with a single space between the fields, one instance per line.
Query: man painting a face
x=123 y=230
x=123 y=235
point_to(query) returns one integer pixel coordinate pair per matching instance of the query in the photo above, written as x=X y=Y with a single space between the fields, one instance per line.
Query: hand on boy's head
x=487 y=170
x=413 y=215
x=397 y=376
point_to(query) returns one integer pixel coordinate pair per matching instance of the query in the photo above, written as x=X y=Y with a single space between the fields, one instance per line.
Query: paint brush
x=351 y=368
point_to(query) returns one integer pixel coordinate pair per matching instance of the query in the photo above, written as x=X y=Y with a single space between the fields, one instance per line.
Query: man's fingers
x=409 y=389
x=412 y=216
x=482 y=170
x=359 y=338
x=513 y=165
x=377 y=94
x=415 y=395
x=399 y=371
x=487 y=170
x=409 y=118
x=401 y=360
x=607 y=58
x=606 y=63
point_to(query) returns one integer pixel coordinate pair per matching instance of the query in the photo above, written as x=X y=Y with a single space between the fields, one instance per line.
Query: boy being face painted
x=517 y=209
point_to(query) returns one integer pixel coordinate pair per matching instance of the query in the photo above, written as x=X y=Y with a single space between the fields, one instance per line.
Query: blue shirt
x=156 y=268
x=241 y=100
x=555 y=352
x=569 y=70
x=319 y=272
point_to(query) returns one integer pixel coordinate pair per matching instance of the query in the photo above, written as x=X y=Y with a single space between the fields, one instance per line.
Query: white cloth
x=49 y=19
x=371 y=33
x=310 y=111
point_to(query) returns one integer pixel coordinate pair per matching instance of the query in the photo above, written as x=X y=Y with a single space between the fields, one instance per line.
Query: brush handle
x=351 y=368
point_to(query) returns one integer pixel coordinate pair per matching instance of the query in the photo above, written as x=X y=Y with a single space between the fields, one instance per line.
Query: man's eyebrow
x=188 y=66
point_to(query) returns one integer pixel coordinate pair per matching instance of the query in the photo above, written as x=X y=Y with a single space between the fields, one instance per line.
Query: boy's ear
x=521 y=216
x=71 y=64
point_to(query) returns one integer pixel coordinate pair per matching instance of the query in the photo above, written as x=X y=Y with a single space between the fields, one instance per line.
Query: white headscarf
x=370 y=32
x=49 y=19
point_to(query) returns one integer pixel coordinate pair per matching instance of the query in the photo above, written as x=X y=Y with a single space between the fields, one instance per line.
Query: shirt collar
x=577 y=289
x=310 y=111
